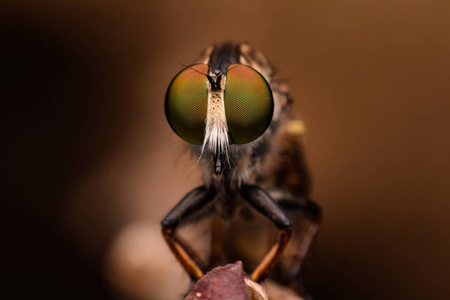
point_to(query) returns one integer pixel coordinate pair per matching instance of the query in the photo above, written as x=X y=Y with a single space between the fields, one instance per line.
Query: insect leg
x=262 y=202
x=216 y=257
x=313 y=215
x=193 y=202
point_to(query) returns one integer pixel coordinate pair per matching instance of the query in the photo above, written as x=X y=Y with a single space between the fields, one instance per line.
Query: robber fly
x=240 y=124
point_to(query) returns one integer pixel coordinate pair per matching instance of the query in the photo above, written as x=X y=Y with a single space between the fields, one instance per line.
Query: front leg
x=193 y=202
x=262 y=202
x=311 y=213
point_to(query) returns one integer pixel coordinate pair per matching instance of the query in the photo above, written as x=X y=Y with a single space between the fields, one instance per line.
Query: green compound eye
x=248 y=103
x=186 y=103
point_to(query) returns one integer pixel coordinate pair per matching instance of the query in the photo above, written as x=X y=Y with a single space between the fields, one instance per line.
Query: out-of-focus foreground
x=90 y=165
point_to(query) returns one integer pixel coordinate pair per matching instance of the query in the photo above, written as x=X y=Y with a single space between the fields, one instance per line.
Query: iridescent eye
x=248 y=103
x=186 y=103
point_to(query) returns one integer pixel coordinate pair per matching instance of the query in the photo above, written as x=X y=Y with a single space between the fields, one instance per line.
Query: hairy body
x=267 y=173
x=275 y=159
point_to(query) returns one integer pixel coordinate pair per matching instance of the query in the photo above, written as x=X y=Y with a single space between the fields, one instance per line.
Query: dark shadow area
x=60 y=95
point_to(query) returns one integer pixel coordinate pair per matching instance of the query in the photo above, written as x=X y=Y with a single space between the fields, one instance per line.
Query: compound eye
x=248 y=103
x=186 y=103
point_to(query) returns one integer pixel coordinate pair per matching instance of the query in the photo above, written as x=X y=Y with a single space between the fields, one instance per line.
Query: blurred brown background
x=90 y=165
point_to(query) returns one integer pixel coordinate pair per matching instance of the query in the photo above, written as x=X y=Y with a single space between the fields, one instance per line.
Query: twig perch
x=229 y=282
